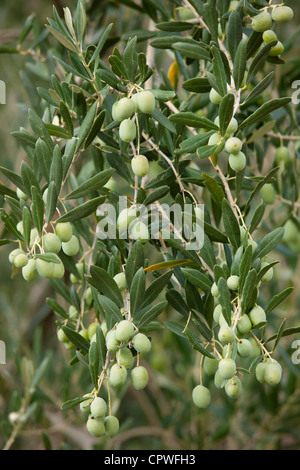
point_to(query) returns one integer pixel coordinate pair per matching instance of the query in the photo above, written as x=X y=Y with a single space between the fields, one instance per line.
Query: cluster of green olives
x=237 y=342
x=122 y=111
x=98 y=422
x=262 y=23
x=137 y=229
x=233 y=145
x=32 y=265
x=120 y=341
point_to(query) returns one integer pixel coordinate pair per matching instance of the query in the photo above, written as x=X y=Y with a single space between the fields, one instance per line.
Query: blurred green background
x=162 y=416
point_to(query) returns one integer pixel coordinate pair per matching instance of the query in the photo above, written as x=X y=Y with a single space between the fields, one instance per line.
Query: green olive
x=111 y=424
x=139 y=377
x=146 y=101
x=124 y=331
x=98 y=407
x=71 y=248
x=127 y=130
x=201 y=396
x=282 y=15
x=95 y=427
x=262 y=22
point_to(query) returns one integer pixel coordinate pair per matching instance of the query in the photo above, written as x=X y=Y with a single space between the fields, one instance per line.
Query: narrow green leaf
x=105 y=283
x=82 y=211
x=226 y=112
x=278 y=299
x=137 y=291
x=93 y=184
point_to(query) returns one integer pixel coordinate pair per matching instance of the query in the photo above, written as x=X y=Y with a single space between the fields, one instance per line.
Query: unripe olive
x=117 y=375
x=20 y=226
x=140 y=165
x=34 y=235
x=89 y=296
x=217 y=313
x=214 y=96
x=92 y=329
x=64 y=231
x=232 y=127
x=21 y=195
x=233 y=145
x=52 y=243
x=58 y=270
x=244 y=324
x=233 y=282
x=226 y=334
x=282 y=155
x=95 y=427
x=73 y=312
x=45 y=196
x=125 y=109
x=139 y=231
x=227 y=368
x=260 y=372
x=262 y=22
x=125 y=358
x=71 y=247
x=112 y=343
x=269 y=36
x=277 y=49
x=273 y=373
x=201 y=396
x=98 y=407
x=111 y=424
x=210 y=366
x=256 y=349
x=85 y=405
x=112 y=185
x=233 y=387
x=69 y=345
x=222 y=320
x=233 y=5
x=104 y=328
x=185 y=14
x=139 y=377
x=253 y=244
x=257 y=316
x=44 y=268
x=84 y=334
x=237 y=162
x=13 y=254
x=244 y=348
x=141 y=343
x=124 y=331
x=80 y=268
x=199 y=213
x=146 y=102
x=29 y=272
x=61 y=336
x=21 y=260
x=127 y=130
x=125 y=218
x=134 y=99
x=269 y=274
x=290 y=231
x=218 y=380
x=215 y=139
x=120 y=279
x=114 y=111
x=282 y=15
x=214 y=290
